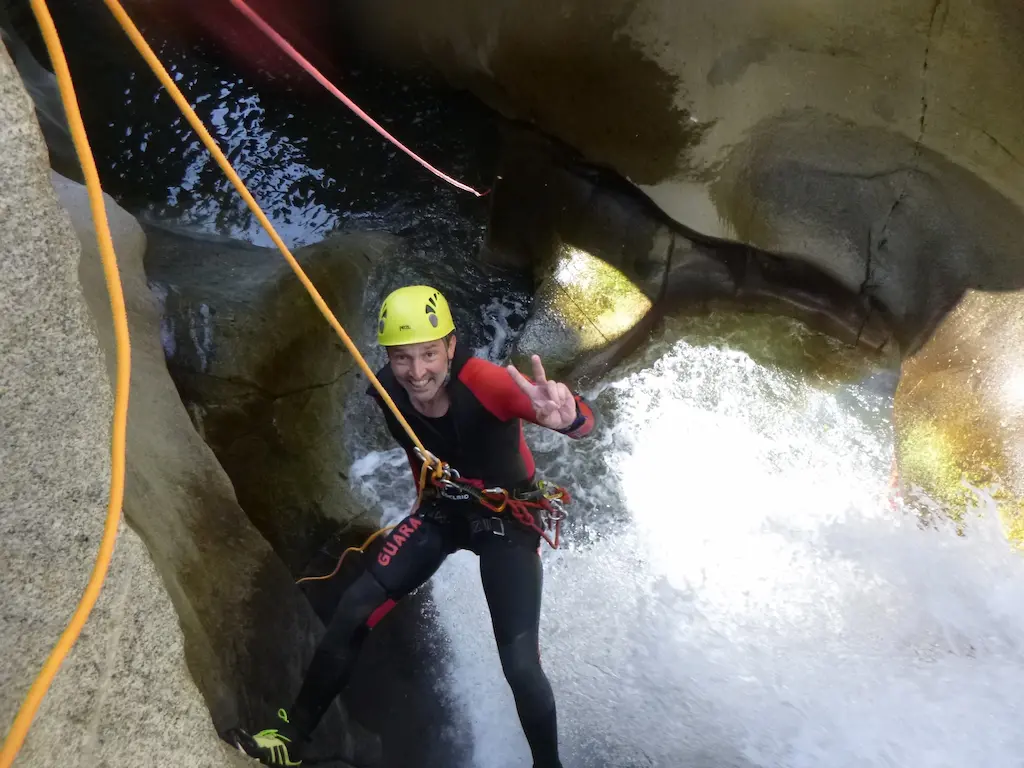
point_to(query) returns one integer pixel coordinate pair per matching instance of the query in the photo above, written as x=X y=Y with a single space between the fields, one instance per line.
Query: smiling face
x=421 y=368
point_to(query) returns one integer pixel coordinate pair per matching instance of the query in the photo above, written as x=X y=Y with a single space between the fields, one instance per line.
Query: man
x=467 y=412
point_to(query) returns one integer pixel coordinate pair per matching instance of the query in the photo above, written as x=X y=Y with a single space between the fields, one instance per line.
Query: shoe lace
x=276 y=743
x=270 y=735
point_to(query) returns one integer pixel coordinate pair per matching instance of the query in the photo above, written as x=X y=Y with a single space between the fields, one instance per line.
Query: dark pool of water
x=313 y=166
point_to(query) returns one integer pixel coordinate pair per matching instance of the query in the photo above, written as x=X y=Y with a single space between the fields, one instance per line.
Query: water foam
x=742 y=594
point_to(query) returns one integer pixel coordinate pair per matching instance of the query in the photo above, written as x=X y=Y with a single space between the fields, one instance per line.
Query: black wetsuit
x=482 y=437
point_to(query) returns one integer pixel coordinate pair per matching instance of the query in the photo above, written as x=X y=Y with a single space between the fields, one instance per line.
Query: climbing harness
x=303 y=62
x=434 y=471
x=541 y=509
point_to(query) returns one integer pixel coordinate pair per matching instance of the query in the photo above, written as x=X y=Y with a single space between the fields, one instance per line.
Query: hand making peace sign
x=552 y=402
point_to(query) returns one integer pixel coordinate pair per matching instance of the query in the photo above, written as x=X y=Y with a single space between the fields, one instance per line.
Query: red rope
x=520 y=509
x=287 y=47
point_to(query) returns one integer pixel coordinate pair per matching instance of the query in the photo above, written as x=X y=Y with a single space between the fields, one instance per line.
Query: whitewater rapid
x=737 y=591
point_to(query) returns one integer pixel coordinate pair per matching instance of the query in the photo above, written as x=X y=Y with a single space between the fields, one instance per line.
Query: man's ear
x=451 y=347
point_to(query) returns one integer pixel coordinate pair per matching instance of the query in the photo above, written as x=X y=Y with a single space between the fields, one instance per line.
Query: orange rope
x=425 y=471
x=361 y=548
x=211 y=145
x=23 y=721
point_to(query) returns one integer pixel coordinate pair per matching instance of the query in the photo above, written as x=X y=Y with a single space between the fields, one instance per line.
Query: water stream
x=738 y=591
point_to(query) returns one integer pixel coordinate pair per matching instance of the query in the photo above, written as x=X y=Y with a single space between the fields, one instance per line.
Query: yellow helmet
x=413 y=314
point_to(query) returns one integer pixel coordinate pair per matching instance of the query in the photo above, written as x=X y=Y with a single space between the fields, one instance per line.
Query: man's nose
x=418 y=369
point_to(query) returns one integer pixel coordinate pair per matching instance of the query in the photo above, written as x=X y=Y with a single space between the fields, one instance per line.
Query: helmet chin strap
x=447 y=374
x=448 y=370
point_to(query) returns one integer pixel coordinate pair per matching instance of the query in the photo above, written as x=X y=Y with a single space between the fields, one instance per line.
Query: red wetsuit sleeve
x=495 y=388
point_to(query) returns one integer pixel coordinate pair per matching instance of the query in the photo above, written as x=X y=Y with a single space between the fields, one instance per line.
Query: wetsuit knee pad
x=520 y=661
x=364 y=596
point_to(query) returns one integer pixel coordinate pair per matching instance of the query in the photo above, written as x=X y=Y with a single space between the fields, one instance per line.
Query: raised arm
x=508 y=395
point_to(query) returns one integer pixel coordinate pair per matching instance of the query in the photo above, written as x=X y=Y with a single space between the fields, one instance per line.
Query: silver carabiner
x=557 y=511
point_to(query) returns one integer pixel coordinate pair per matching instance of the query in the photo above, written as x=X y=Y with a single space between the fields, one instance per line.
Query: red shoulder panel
x=494 y=388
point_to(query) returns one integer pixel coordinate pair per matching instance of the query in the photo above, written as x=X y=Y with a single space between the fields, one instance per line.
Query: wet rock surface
x=268 y=385
x=123 y=696
x=876 y=143
x=263 y=374
x=608 y=265
x=959 y=409
x=240 y=611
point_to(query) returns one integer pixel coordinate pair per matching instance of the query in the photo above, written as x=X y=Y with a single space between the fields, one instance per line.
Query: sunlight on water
x=742 y=594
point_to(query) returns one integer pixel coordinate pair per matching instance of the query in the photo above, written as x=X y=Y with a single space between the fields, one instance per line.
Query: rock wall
x=875 y=141
x=41 y=85
x=609 y=265
x=264 y=376
x=959 y=409
x=248 y=630
x=272 y=412
x=273 y=392
x=123 y=696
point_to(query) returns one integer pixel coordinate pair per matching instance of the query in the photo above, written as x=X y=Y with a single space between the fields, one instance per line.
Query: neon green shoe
x=269 y=746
